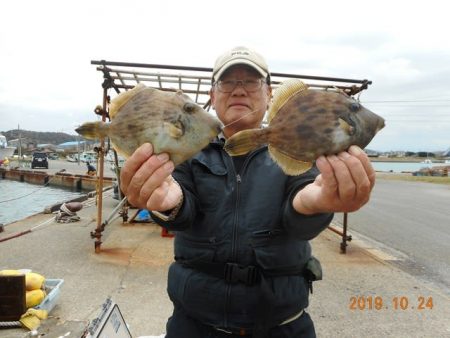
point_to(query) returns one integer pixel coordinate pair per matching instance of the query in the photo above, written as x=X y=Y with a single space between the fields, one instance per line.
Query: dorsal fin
x=123 y=98
x=283 y=93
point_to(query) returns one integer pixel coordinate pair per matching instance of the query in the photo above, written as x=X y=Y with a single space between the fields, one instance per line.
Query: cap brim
x=234 y=62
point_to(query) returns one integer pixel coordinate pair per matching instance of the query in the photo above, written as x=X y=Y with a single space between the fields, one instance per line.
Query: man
x=242 y=226
x=91 y=171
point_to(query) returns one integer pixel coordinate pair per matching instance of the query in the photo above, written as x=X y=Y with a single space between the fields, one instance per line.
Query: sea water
x=399 y=167
x=20 y=199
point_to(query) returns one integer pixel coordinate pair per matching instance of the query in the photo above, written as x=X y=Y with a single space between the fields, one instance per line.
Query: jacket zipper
x=235 y=226
x=238 y=195
x=234 y=239
x=236 y=219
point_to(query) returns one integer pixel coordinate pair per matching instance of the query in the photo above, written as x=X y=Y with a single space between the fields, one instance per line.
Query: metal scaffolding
x=195 y=82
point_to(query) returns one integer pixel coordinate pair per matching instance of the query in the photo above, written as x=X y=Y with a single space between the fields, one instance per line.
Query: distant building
x=72 y=146
x=47 y=147
x=25 y=142
x=397 y=153
x=372 y=153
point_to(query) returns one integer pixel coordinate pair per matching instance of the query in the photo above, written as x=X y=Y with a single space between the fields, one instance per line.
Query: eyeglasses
x=250 y=85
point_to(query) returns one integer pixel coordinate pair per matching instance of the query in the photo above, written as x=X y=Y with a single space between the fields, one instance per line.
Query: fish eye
x=189 y=108
x=354 y=106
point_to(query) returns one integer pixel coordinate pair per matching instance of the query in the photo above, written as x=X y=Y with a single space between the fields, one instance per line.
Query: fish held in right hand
x=170 y=121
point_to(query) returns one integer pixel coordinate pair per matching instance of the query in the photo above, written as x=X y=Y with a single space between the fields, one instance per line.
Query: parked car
x=53 y=156
x=40 y=160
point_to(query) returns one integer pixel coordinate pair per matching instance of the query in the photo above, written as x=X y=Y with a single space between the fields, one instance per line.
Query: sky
x=47 y=82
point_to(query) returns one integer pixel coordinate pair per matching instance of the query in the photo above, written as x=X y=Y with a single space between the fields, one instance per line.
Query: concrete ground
x=132 y=266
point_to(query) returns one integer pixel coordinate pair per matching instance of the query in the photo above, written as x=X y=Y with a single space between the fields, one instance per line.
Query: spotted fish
x=170 y=121
x=306 y=123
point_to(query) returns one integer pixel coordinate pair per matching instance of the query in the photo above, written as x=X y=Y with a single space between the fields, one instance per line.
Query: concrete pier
x=363 y=293
x=72 y=178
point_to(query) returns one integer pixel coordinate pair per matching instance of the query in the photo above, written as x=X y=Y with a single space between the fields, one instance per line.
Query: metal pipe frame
x=345 y=238
x=353 y=87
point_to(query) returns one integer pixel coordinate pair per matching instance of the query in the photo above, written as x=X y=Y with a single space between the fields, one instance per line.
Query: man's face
x=241 y=109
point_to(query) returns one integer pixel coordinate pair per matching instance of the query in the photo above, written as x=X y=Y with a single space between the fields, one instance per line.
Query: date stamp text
x=401 y=303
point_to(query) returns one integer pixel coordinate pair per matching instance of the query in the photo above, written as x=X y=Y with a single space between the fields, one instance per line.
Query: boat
x=112 y=162
x=71 y=158
x=427 y=161
x=85 y=156
x=5 y=150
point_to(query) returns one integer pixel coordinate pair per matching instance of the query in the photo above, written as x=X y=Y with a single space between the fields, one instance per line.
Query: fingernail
x=163 y=157
x=320 y=160
x=147 y=148
x=344 y=155
x=168 y=166
x=355 y=150
x=333 y=158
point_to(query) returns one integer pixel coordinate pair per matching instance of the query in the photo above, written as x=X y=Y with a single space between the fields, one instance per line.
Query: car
x=53 y=156
x=40 y=160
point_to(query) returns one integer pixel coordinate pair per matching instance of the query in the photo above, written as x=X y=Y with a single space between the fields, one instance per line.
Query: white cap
x=239 y=55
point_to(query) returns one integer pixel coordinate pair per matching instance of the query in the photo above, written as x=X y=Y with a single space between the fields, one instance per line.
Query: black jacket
x=245 y=218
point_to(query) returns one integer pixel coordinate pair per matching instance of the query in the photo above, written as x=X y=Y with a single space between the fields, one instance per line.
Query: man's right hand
x=147 y=182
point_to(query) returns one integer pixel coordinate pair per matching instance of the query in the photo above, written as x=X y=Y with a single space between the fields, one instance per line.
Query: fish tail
x=245 y=141
x=93 y=130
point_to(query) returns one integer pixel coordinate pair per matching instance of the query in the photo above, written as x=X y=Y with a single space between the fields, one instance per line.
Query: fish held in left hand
x=170 y=121
x=305 y=124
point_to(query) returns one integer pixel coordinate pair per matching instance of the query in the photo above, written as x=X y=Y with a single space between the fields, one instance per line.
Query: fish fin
x=175 y=130
x=245 y=141
x=346 y=126
x=93 y=130
x=119 y=150
x=123 y=98
x=283 y=93
x=289 y=165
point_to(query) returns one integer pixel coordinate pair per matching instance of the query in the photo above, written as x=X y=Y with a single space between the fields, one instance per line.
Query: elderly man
x=242 y=226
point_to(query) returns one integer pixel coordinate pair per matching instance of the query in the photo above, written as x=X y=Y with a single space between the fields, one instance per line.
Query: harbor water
x=399 y=167
x=19 y=199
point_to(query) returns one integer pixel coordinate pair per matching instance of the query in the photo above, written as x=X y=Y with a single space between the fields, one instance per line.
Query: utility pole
x=20 y=144
x=78 y=148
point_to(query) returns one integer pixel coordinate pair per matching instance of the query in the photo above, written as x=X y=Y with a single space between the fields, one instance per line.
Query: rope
x=16 y=198
x=4 y=239
x=87 y=203
x=243 y=116
x=45 y=184
x=10 y=324
x=65 y=215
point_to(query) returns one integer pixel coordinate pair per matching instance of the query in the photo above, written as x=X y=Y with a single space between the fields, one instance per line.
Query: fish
x=170 y=121
x=304 y=124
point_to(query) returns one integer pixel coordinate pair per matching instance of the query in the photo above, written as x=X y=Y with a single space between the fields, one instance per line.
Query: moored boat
x=5 y=150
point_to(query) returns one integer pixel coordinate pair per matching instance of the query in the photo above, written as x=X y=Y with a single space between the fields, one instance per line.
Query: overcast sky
x=48 y=84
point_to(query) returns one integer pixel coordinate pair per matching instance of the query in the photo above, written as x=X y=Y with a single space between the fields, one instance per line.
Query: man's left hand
x=344 y=184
